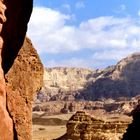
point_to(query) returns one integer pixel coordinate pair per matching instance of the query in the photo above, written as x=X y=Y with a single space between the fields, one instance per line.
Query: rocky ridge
x=121 y=80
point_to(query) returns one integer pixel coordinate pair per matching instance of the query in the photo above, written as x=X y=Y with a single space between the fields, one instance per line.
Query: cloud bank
x=108 y=38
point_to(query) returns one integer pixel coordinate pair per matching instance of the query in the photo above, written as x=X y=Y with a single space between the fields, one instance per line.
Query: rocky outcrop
x=82 y=126
x=23 y=75
x=23 y=80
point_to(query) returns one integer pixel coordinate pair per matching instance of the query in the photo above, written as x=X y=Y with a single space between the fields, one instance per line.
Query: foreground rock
x=14 y=16
x=23 y=80
x=6 y=125
x=82 y=126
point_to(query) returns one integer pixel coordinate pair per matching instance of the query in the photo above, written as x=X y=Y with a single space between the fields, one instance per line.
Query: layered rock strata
x=82 y=126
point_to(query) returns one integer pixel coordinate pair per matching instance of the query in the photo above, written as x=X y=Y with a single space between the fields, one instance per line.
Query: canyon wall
x=120 y=80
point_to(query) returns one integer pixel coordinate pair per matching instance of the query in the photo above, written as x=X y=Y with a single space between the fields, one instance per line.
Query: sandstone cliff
x=14 y=16
x=23 y=80
x=62 y=83
x=67 y=78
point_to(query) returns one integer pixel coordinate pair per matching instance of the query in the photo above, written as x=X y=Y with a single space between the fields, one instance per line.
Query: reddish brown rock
x=14 y=16
x=16 y=96
x=22 y=81
x=6 y=125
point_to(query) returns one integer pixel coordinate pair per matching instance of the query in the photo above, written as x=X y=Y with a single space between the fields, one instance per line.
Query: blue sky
x=85 y=33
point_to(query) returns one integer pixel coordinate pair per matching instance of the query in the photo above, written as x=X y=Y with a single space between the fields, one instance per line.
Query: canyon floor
x=53 y=129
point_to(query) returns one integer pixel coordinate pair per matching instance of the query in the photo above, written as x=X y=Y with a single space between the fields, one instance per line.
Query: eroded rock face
x=82 y=126
x=61 y=83
x=23 y=80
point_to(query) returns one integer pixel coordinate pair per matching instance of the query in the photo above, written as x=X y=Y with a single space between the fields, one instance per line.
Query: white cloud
x=104 y=36
x=80 y=4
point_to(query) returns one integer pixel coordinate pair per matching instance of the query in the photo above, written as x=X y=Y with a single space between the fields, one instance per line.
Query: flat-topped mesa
x=82 y=126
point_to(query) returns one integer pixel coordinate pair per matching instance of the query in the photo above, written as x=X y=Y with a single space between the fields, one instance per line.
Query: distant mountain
x=121 y=80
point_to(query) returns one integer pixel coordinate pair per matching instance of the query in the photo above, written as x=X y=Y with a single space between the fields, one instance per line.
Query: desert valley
x=69 y=101
x=85 y=104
